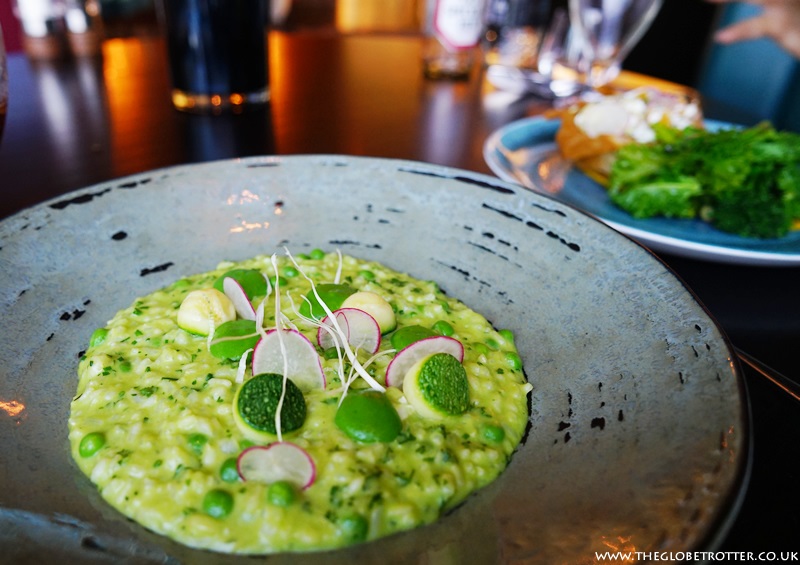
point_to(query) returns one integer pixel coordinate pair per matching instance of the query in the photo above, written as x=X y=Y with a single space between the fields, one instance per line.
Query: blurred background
x=678 y=46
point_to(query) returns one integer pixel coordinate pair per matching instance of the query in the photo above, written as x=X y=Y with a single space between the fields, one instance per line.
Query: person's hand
x=779 y=20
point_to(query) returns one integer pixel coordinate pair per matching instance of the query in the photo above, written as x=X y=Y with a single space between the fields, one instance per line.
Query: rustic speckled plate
x=638 y=429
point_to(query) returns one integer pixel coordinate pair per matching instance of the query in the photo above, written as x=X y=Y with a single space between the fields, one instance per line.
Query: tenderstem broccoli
x=743 y=181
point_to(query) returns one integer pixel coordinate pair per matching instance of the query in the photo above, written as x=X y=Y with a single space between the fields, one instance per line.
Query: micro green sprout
x=282 y=345
x=351 y=356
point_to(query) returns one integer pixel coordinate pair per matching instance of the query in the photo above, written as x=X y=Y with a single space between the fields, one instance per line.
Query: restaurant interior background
x=678 y=46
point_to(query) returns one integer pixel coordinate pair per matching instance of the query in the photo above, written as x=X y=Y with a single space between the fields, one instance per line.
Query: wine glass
x=609 y=29
x=3 y=84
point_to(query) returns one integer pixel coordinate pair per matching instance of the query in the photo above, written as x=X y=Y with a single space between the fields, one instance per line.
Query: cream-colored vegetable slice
x=238 y=297
x=291 y=354
x=204 y=310
x=279 y=461
x=359 y=330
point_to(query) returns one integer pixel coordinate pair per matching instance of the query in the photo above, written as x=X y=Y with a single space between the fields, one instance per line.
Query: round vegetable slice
x=333 y=295
x=407 y=357
x=436 y=386
x=279 y=461
x=292 y=351
x=256 y=403
x=239 y=298
x=232 y=339
x=376 y=306
x=368 y=417
x=359 y=329
x=251 y=280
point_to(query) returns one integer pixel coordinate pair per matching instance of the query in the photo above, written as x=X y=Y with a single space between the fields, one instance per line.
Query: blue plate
x=525 y=152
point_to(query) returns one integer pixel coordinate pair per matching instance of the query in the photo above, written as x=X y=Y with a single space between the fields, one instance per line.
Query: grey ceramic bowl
x=638 y=428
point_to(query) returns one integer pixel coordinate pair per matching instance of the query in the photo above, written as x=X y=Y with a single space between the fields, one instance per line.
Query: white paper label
x=459 y=23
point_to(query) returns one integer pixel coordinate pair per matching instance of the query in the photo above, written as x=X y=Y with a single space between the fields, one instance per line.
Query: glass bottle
x=514 y=30
x=43 y=29
x=453 y=30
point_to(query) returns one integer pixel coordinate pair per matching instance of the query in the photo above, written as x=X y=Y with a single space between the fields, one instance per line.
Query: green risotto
x=371 y=405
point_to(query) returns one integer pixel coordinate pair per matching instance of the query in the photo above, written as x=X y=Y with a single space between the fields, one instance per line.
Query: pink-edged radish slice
x=279 y=461
x=358 y=328
x=408 y=356
x=303 y=364
x=237 y=295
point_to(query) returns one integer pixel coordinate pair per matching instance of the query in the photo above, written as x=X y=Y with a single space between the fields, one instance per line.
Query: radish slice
x=302 y=363
x=238 y=296
x=359 y=329
x=408 y=356
x=279 y=461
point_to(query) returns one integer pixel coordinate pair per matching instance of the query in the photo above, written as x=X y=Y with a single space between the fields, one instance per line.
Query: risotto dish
x=295 y=403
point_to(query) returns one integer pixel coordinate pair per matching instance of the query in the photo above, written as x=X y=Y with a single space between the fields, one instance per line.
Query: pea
x=480 y=348
x=218 y=503
x=91 y=444
x=98 y=336
x=197 y=442
x=507 y=335
x=354 y=527
x=281 y=493
x=494 y=433
x=290 y=272
x=368 y=275
x=368 y=417
x=492 y=344
x=229 y=471
x=232 y=339
x=317 y=254
x=407 y=335
x=443 y=328
x=513 y=360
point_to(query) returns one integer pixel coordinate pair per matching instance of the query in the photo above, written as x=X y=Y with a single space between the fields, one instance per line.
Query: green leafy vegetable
x=743 y=181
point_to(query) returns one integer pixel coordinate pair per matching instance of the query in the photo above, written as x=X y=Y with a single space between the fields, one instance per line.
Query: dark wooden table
x=75 y=123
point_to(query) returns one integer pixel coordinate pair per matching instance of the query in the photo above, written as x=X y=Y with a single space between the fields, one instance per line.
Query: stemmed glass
x=3 y=84
x=608 y=30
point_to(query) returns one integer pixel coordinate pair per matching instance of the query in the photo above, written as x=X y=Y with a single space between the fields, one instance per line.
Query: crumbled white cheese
x=633 y=113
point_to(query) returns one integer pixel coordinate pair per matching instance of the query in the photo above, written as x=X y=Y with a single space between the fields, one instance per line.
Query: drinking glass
x=3 y=84
x=217 y=54
x=609 y=29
